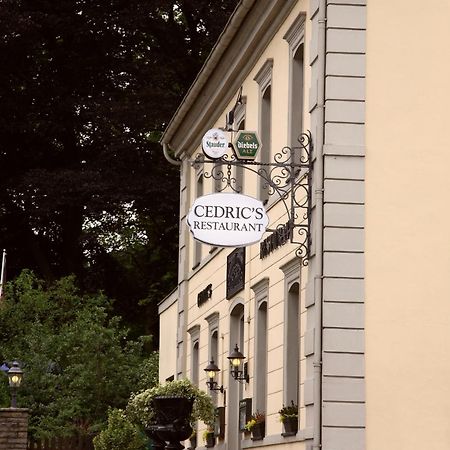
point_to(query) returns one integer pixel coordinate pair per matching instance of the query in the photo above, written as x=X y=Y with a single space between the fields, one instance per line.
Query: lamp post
x=15 y=376
x=211 y=371
x=236 y=358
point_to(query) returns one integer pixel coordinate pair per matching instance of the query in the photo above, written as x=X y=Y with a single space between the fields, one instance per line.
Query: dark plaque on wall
x=235 y=272
x=245 y=412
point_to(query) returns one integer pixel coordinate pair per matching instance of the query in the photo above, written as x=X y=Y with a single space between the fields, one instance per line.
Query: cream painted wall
x=407 y=220
x=168 y=340
x=213 y=267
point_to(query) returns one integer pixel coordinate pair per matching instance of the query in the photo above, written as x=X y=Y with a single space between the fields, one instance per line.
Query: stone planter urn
x=171 y=423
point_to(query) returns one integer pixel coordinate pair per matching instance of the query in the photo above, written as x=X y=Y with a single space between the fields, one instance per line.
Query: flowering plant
x=256 y=417
x=141 y=411
x=287 y=412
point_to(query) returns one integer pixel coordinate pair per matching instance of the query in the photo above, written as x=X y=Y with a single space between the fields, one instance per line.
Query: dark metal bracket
x=287 y=178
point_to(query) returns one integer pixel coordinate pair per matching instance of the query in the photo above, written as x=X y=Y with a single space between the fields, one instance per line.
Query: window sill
x=276 y=439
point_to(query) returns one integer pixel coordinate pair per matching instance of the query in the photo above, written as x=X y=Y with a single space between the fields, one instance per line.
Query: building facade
x=345 y=330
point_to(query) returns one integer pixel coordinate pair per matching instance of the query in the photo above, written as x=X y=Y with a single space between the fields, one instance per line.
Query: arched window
x=195 y=363
x=235 y=388
x=264 y=80
x=292 y=339
x=292 y=312
x=260 y=368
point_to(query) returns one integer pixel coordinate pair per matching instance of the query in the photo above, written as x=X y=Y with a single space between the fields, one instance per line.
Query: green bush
x=120 y=434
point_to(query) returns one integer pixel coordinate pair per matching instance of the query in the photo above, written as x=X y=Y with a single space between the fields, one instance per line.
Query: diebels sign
x=227 y=220
x=247 y=144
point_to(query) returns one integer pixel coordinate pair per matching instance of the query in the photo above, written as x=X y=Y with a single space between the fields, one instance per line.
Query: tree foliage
x=120 y=434
x=77 y=358
x=86 y=87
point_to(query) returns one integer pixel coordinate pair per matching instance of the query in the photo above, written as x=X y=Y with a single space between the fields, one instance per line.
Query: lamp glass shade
x=236 y=362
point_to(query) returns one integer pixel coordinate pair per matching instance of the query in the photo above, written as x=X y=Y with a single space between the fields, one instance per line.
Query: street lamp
x=15 y=376
x=211 y=371
x=236 y=359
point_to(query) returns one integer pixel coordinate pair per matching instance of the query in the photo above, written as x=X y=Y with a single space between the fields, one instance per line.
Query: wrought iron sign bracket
x=286 y=178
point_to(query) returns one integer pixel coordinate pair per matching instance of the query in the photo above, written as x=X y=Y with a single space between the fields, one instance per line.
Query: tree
x=86 y=87
x=77 y=359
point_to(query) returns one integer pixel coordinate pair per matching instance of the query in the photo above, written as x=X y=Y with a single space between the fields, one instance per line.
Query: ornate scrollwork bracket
x=286 y=178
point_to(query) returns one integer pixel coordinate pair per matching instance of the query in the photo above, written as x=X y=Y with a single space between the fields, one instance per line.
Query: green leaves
x=120 y=434
x=77 y=358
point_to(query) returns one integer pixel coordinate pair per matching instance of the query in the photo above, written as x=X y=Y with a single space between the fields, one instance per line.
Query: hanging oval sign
x=227 y=220
x=215 y=143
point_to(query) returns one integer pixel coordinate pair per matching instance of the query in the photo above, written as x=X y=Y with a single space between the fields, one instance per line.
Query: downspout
x=172 y=161
x=319 y=194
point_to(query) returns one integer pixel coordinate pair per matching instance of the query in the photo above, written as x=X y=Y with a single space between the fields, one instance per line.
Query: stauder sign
x=227 y=219
x=214 y=143
x=247 y=144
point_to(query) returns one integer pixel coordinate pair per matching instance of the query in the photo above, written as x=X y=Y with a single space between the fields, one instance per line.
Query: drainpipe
x=318 y=192
x=165 y=147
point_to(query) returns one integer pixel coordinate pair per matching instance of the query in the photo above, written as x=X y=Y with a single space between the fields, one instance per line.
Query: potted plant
x=168 y=411
x=257 y=425
x=289 y=418
x=209 y=437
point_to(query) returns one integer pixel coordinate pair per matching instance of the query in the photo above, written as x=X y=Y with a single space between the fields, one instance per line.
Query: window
x=195 y=363
x=213 y=347
x=197 y=246
x=264 y=79
x=260 y=370
x=291 y=377
x=295 y=37
x=194 y=332
x=239 y=123
x=235 y=392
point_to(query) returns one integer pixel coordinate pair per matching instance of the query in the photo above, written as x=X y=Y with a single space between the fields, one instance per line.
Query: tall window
x=291 y=366
x=261 y=290
x=235 y=388
x=264 y=80
x=296 y=97
x=213 y=347
x=295 y=37
x=239 y=124
x=195 y=363
x=291 y=378
x=194 y=333
x=197 y=253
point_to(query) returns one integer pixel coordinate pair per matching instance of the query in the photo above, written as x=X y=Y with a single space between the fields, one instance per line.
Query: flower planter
x=290 y=426
x=210 y=440
x=193 y=442
x=171 y=421
x=258 y=431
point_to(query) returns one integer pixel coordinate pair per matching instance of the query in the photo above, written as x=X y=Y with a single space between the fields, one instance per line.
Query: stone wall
x=13 y=428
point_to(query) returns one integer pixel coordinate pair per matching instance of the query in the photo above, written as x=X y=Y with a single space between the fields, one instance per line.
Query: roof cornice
x=243 y=40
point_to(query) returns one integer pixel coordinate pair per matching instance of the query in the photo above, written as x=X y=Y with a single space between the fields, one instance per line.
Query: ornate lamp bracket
x=287 y=178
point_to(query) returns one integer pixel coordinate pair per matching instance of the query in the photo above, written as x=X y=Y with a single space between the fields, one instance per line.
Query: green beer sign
x=247 y=144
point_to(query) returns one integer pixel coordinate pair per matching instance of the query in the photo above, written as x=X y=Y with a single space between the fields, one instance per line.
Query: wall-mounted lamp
x=236 y=359
x=211 y=372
